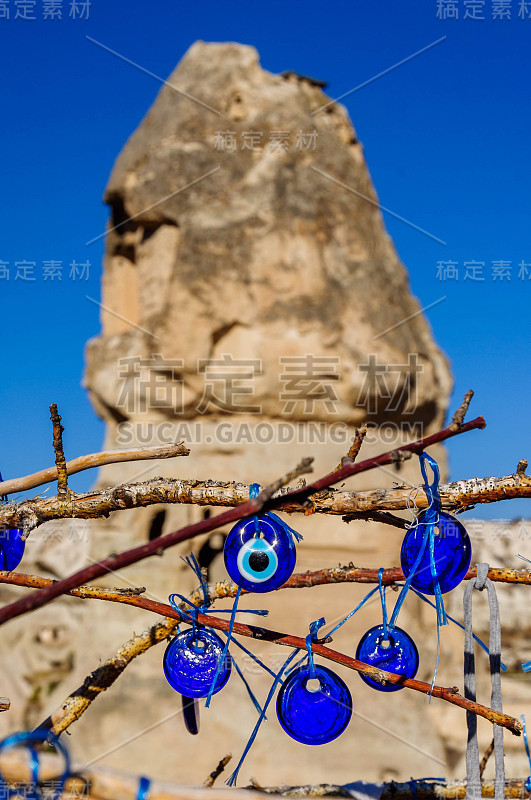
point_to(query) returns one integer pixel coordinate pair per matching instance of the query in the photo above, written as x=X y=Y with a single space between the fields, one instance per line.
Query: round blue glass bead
x=191 y=660
x=452 y=551
x=314 y=714
x=11 y=548
x=395 y=653
x=528 y=784
x=259 y=554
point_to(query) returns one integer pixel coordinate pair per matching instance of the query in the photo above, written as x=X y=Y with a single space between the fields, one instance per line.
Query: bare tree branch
x=60 y=461
x=91 y=461
x=370 y=505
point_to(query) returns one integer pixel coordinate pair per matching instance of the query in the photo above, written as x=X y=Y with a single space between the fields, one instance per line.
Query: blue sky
x=446 y=137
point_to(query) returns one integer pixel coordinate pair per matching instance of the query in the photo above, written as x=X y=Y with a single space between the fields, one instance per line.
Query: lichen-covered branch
x=456 y=496
x=223 y=589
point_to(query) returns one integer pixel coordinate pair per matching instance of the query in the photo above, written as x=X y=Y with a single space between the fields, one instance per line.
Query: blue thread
x=191 y=561
x=298 y=537
x=354 y=610
x=383 y=601
x=221 y=662
x=526 y=666
x=28 y=739
x=526 y=743
x=482 y=644
x=254 y=491
x=249 y=653
x=144 y=785
x=312 y=636
x=250 y=692
x=233 y=778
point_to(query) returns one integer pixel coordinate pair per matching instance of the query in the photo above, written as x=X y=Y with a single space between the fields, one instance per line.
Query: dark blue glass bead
x=11 y=548
x=528 y=784
x=452 y=552
x=395 y=653
x=263 y=562
x=314 y=714
x=191 y=660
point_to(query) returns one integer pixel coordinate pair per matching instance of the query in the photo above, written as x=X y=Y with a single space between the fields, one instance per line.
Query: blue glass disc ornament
x=260 y=553
x=311 y=713
x=394 y=650
x=191 y=662
x=11 y=544
x=11 y=548
x=452 y=552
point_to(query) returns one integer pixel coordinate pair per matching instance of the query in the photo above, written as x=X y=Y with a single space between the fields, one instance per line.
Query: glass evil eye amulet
x=11 y=544
x=393 y=650
x=260 y=553
x=452 y=552
x=314 y=708
x=11 y=548
x=191 y=660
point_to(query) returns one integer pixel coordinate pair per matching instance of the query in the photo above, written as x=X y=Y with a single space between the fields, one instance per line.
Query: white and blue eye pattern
x=257 y=560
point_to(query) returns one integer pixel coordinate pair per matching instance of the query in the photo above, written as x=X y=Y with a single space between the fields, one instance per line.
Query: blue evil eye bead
x=314 y=710
x=191 y=660
x=259 y=554
x=395 y=652
x=11 y=548
x=452 y=554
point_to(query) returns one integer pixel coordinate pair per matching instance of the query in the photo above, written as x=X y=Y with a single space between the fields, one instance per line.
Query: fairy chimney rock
x=245 y=227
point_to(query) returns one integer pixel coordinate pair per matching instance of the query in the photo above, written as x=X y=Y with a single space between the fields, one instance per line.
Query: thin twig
x=354 y=449
x=91 y=461
x=60 y=461
x=486 y=756
x=521 y=467
x=254 y=506
x=217 y=772
x=303 y=468
x=459 y=416
x=85 y=592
